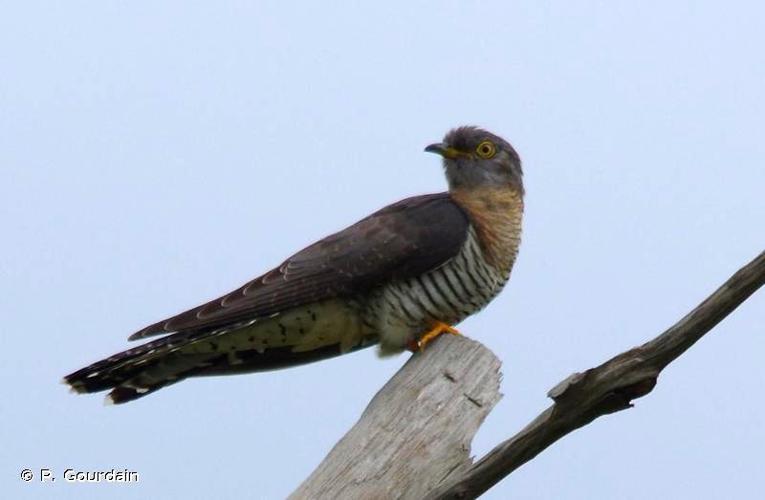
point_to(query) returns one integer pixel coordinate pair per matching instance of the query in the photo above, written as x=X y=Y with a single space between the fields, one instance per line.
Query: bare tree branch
x=413 y=440
x=416 y=430
x=608 y=388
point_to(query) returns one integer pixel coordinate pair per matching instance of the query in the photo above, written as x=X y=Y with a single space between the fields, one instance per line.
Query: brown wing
x=401 y=240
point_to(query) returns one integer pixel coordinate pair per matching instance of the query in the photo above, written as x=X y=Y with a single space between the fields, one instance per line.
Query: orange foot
x=438 y=328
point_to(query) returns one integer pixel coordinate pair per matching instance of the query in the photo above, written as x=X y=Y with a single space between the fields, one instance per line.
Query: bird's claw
x=438 y=329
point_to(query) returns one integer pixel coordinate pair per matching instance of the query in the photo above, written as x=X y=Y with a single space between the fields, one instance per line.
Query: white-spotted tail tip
x=72 y=389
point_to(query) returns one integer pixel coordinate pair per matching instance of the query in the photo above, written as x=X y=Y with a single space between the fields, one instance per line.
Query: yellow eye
x=486 y=150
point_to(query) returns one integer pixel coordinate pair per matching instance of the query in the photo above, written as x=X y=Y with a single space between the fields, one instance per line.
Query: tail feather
x=141 y=370
x=144 y=369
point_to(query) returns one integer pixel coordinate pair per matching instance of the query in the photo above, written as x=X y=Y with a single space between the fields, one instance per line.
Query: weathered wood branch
x=608 y=388
x=416 y=430
x=413 y=441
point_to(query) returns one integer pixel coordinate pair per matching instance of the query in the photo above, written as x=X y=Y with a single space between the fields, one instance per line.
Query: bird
x=397 y=279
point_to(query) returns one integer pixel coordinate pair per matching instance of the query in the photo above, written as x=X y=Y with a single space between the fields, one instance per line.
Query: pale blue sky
x=157 y=154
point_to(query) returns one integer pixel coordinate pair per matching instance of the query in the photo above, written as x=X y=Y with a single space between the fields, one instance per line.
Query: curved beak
x=442 y=149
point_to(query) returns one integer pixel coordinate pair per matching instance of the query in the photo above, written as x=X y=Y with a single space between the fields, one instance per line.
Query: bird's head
x=475 y=158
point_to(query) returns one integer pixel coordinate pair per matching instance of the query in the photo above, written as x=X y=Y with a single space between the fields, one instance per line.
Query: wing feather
x=399 y=241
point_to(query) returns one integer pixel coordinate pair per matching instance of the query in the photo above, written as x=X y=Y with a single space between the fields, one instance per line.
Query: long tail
x=140 y=371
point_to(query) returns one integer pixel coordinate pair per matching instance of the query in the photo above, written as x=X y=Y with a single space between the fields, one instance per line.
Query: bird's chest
x=496 y=216
x=403 y=309
x=449 y=294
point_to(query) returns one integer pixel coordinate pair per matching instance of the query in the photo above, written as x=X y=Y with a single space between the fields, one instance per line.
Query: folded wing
x=402 y=240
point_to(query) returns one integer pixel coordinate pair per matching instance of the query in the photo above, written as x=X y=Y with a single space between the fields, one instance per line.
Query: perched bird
x=397 y=278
